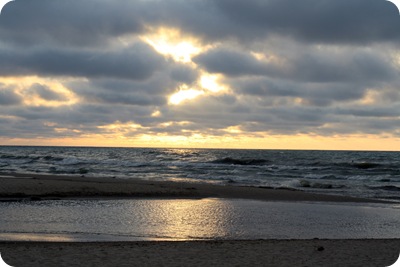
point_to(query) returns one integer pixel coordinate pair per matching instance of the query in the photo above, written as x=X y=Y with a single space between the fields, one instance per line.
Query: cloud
x=232 y=63
x=8 y=96
x=326 y=21
x=68 y=23
x=281 y=67
x=315 y=21
x=46 y=93
x=95 y=22
x=139 y=62
x=184 y=73
x=319 y=94
x=308 y=64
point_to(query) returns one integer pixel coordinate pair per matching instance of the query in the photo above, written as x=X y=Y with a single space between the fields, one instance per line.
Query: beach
x=266 y=252
x=365 y=253
x=21 y=186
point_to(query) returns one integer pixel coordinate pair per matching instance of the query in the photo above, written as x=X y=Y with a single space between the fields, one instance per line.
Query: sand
x=20 y=186
x=15 y=187
x=374 y=253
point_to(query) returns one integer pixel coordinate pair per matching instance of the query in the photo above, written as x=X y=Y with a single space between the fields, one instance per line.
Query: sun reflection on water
x=190 y=219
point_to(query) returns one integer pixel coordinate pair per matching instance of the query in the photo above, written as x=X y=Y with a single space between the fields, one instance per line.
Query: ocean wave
x=325 y=177
x=52 y=158
x=366 y=165
x=305 y=184
x=70 y=161
x=386 y=188
x=232 y=161
x=361 y=165
x=16 y=157
x=320 y=171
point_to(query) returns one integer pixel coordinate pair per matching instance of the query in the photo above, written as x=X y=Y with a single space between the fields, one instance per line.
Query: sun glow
x=206 y=85
x=171 y=42
x=233 y=130
x=119 y=127
x=156 y=114
x=22 y=87
x=184 y=94
x=210 y=83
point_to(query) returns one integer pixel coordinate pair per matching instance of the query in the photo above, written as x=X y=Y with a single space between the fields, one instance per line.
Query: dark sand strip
x=374 y=253
x=51 y=186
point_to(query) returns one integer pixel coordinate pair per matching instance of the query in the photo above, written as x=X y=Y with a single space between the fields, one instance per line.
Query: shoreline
x=315 y=252
x=261 y=252
x=17 y=186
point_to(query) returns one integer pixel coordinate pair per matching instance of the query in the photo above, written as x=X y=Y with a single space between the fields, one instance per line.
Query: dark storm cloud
x=139 y=62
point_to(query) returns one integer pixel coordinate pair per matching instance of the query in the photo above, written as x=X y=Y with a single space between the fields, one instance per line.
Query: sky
x=265 y=74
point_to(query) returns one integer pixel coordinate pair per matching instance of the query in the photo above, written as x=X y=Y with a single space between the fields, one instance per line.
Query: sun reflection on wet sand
x=35 y=237
x=193 y=219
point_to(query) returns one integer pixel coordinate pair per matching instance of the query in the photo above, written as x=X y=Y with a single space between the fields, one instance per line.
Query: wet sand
x=21 y=186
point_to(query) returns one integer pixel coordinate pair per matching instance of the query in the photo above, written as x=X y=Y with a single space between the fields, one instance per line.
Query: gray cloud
x=342 y=21
x=8 y=96
x=320 y=21
x=94 y=22
x=312 y=65
x=137 y=62
x=232 y=63
x=329 y=67
x=319 y=94
x=184 y=73
x=87 y=23
x=45 y=92
x=151 y=92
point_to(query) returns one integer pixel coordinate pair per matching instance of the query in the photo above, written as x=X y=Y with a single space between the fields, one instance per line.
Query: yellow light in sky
x=207 y=84
x=171 y=42
x=23 y=84
x=120 y=127
x=184 y=94
x=182 y=52
x=156 y=113
x=210 y=83
x=233 y=130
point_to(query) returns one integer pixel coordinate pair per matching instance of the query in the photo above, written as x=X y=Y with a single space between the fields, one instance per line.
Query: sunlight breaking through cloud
x=170 y=42
x=184 y=94
x=239 y=73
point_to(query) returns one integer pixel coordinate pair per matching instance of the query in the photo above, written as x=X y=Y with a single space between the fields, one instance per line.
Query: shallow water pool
x=191 y=219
